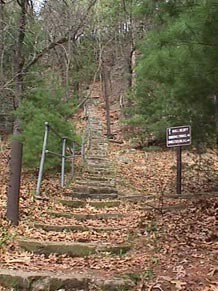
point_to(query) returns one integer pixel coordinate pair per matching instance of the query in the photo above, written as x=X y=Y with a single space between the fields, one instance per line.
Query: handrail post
x=89 y=138
x=39 y=181
x=63 y=160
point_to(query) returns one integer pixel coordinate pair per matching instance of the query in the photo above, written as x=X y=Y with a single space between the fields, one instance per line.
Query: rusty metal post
x=179 y=171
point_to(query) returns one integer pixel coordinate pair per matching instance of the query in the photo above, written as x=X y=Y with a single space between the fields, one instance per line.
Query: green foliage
x=177 y=73
x=44 y=106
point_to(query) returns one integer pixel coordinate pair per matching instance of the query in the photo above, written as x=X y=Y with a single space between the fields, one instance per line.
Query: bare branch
x=62 y=40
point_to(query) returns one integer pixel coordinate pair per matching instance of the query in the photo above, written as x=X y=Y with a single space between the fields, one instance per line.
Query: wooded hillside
x=90 y=88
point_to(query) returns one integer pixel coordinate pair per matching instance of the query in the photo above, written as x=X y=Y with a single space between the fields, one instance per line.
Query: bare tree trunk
x=14 y=183
x=16 y=149
x=105 y=77
x=1 y=40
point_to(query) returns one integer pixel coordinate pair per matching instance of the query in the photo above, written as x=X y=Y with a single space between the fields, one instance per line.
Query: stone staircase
x=99 y=178
x=90 y=221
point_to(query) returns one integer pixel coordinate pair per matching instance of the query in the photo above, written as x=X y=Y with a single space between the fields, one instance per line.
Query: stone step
x=94 y=189
x=102 y=171
x=73 y=249
x=96 y=204
x=97 y=130
x=98 y=161
x=35 y=281
x=102 y=155
x=98 y=177
x=98 y=149
x=82 y=217
x=99 y=140
x=98 y=135
x=98 y=165
x=100 y=196
x=95 y=183
x=96 y=153
x=193 y=196
x=137 y=198
x=76 y=228
x=98 y=143
x=95 y=123
x=95 y=157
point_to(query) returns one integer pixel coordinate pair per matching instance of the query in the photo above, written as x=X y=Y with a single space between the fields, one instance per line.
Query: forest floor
x=176 y=239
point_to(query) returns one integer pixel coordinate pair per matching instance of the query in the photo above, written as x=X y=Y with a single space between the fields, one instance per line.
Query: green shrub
x=41 y=107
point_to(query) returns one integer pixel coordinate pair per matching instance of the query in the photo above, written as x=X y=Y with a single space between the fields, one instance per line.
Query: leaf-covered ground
x=173 y=249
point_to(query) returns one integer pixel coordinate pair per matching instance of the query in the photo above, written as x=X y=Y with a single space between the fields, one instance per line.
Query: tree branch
x=62 y=40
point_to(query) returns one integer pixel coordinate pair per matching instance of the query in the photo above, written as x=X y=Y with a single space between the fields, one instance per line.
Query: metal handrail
x=60 y=136
x=63 y=155
x=86 y=144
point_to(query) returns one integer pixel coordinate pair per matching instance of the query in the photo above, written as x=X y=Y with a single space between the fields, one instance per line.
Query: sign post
x=179 y=171
x=177 y=137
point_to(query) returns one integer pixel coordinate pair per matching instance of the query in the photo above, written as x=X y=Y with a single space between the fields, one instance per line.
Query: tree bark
x=216 y=118
x=14 y=183
x=16 y=148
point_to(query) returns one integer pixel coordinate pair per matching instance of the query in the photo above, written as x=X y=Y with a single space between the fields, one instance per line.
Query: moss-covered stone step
x=74 y=249
x=94 y=189
x=96 y=204
x=82 y=217
x=79 y=228
x=49 y=281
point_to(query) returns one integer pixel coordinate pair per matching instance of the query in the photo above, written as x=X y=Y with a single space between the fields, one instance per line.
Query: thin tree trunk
x=106 y=99
x=1 y=40
x=16 y=149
